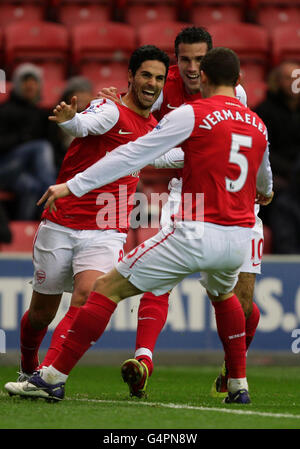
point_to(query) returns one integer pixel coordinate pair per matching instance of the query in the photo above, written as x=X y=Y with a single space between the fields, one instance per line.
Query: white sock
x=236 y=384
x=143 y=351
x=52 y=376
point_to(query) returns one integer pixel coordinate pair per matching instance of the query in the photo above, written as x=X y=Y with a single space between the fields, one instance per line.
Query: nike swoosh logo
x=125 y=132
x=256 y=264
x=171 y=107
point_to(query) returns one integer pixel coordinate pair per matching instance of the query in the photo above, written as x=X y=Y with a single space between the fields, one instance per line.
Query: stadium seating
x=51 y=93
x=161 y=34
x=16 y=10
x=273 y=16
x=285 y=43
x=250 y=42
x=208 y=12
x=102 y=49
x=106 y=73
x=74 y=12
x=121 y=84
x=43 y=43
x=256 y=92
x=140 y=12
x=23 y=233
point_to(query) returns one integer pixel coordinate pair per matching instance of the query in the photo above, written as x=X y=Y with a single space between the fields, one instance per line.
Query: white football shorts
x=60 y=252
x=161 y=262
x=253 y=258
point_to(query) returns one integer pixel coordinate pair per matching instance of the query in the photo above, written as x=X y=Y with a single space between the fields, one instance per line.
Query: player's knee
x=80 y=296
x=247 y=304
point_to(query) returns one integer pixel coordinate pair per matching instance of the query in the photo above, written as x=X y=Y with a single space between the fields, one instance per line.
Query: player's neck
x=227 y=91
x=128 y=101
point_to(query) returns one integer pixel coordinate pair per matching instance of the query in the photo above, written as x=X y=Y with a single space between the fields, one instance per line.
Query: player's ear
x=130 y=76
x=203 y=77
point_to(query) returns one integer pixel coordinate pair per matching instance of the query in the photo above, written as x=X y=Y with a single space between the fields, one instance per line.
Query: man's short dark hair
x=147 y=53
x=221 y=66
x=193 y=35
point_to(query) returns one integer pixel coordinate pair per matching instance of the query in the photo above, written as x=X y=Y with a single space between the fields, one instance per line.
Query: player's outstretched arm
x=64 y=112
x=53 y=193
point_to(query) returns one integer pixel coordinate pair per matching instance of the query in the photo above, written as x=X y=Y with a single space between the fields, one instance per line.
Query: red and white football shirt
x=103 y=126
x=226 y=153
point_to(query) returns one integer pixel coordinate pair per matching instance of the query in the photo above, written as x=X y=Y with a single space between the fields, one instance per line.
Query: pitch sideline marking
x=189 y=407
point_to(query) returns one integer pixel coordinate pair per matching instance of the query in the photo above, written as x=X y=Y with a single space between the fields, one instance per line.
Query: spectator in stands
x=82 y=88
x=280 y=111
x=285 y=217
x=26 y=143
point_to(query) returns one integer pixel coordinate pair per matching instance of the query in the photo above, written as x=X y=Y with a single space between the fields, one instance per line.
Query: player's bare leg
x=34 y=325
x=83 y=284
x=244 y=290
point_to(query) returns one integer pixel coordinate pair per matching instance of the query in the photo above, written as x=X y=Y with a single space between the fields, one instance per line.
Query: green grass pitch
x=178 y=398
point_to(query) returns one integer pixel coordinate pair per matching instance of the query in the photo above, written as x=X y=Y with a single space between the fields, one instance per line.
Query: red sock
x=230 y=320
x=152 y=315
x=251 y=324
x=30 y=341
x=59 y=335
x=88 y=325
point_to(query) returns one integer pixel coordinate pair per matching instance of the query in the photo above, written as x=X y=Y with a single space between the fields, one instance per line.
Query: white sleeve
x=172 y=159
x=264 y=179
x=97 y=119
x=172 y=130
x=157 y=105
x=240 y=94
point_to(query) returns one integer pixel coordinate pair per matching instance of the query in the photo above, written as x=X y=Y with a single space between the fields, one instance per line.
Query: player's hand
x=64 y=112
x=110 y=93
x=53 y=193
x=262 y=199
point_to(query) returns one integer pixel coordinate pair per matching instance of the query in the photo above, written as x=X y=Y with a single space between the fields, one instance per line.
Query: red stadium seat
x=74 y=12
x=161 y=34
x=16 y=10
x=23 y=233
x=120 y=84
x=105 y=73
x=285 y=43
x=256 y=92
x=271 y=17
x=250 y=42
x=43 y=43
x=106 y=42
x=51 y=93
x=140 y=12
x=205 y=15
